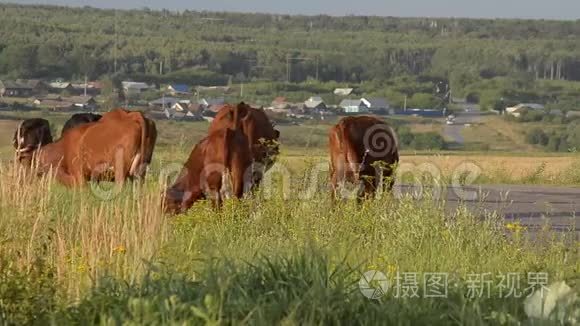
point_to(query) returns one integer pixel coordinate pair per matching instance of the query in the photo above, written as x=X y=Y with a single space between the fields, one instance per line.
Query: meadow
x=278 y=257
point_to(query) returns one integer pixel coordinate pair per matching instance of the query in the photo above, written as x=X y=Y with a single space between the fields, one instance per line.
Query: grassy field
x=495 y=134
x=70 y=257
x=516 y=163
x=279 y=257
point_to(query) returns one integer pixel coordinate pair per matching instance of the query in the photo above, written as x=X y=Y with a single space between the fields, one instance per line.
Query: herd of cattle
x=241 y=145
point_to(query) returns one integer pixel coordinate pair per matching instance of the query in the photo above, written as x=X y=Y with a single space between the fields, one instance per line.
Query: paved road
x=533 y=206
x=453 y=132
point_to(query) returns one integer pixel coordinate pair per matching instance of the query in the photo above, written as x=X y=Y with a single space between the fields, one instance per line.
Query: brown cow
x=31 y=135
x=259 y=131
x=114 y=148
x=223 y=157
x=362 y=149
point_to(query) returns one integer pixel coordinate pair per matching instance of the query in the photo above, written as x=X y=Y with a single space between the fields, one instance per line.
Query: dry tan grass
x=429 y=127
x=7 y=128
x=495 y=168
x=82 y=236
x=506 y=169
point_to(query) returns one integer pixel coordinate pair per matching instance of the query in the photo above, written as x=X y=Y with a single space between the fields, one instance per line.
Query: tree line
x=475 y=56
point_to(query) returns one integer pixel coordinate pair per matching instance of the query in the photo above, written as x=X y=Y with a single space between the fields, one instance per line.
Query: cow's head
x=31 y=135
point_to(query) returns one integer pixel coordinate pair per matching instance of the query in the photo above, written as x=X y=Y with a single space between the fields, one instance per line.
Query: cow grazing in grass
x=115 y=148
x=364 y=151
x=31 y=135
x=217 y=167
x=259 y=132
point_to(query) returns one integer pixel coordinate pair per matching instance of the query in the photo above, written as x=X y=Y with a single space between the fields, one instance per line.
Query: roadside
x=465 y=116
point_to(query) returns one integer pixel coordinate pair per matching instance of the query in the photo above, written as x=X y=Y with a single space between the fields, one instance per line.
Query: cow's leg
x=138 y=169
x=213 y=188
x=237 y=178
x=388 y=179
x=337 y=178
x=67 y=179
x=367 y=189
x=333 y=185
x=216 y=198
x=119 y=167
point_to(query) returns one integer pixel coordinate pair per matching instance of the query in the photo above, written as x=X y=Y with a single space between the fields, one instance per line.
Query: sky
x=536 y=9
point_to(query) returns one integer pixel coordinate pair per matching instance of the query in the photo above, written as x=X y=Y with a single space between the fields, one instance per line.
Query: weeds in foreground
x=68 y=257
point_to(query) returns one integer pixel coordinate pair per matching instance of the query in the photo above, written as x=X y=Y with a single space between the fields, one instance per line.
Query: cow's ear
x=277 y=133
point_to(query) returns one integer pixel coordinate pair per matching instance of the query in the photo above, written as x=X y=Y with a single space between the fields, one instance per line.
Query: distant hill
x=61 y=42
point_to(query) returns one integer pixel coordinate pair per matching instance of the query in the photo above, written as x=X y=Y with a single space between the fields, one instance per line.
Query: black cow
x=30 y=136
x=79 y=119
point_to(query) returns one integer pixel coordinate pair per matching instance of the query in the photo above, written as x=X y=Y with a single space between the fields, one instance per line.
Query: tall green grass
x=68 y=257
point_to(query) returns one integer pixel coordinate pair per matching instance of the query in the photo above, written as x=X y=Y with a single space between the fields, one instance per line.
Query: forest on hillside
x=483 y=59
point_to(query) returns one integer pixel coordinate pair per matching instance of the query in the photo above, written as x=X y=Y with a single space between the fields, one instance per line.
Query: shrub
x=537 y=136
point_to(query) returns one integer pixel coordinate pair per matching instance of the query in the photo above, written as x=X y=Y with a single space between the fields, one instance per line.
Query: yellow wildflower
x=120 y=249
x=516 y=227
x=392 y=269
x=81 y=268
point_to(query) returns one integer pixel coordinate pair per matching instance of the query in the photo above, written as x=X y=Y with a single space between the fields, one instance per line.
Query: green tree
x=19 y=60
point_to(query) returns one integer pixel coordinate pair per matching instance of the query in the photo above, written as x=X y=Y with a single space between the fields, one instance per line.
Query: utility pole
x=405 y=107
x=316 y=68
x=86 y=84
x=116 y=45
x=289 y=67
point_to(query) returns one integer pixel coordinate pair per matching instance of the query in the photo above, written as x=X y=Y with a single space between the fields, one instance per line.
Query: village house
x=87 y=103
x=521 y=108
x=209 y=102
x=343 y=91
x=22 y=88
x=91 y=88
x=135 y=88
x=53 y=102
x=60 y=87
x=184 y=106
x=57 y=102
x=353 y=106
x=376 y=105
x=178 y=89
x=164 y=102
x=183 y=112
x=223 y=89
x=315 y=104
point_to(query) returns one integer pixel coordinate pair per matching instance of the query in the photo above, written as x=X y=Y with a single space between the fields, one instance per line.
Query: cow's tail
x=18 y=136
x=139 y=160
x=349 y=150
x=236 y=119
x=227 y=182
